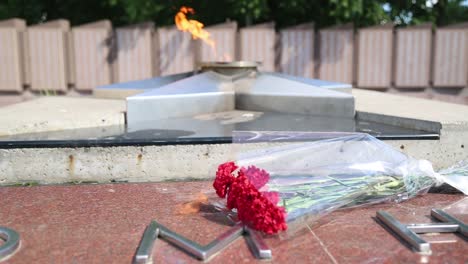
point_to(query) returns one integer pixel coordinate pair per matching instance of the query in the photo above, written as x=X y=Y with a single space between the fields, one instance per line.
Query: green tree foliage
x=245 y=12
x=328 y=12
x=442 y=12
x=77 y=11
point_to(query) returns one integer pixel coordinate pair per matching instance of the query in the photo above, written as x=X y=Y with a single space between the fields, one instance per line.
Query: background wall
x=55 y=58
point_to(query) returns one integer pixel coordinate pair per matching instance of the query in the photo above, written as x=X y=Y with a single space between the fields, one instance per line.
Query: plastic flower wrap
x=272 y=187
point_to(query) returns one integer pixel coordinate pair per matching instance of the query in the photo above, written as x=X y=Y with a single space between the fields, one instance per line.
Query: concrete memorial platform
x=89 y=139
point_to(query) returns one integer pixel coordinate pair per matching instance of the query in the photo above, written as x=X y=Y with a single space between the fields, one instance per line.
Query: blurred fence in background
x=53 y=56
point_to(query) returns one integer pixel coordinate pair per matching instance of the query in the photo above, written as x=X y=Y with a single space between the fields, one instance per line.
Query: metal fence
x=54 y=56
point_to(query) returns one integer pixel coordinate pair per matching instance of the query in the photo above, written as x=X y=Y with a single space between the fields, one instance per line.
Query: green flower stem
x=328 y=191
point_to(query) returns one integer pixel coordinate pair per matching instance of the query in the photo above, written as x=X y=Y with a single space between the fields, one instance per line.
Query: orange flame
x=193 y=26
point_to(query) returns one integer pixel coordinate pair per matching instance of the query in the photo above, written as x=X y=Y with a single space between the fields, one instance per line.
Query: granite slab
x=104 y=224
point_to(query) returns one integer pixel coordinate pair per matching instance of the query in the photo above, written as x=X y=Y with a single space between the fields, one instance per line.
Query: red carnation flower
x=256 y=176
x=224 y=178
x=273 y=197
x=254 y=208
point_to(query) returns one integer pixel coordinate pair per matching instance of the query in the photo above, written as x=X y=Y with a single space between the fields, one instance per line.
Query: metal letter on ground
x=12 y=242
x=156 y=230
x=409 y=233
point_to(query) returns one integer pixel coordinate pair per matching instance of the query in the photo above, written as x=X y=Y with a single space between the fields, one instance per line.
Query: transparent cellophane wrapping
x=317 y=173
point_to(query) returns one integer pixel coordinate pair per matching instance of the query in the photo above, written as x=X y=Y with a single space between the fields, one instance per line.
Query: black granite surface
x=212 y=131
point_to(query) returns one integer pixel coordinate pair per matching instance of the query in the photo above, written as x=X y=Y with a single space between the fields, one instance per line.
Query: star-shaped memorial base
x=188 y=95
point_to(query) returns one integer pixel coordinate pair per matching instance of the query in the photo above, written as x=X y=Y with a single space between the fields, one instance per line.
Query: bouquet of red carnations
x=272 y=187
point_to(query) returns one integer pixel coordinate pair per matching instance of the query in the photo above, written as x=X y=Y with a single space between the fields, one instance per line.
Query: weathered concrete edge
x=170 y=163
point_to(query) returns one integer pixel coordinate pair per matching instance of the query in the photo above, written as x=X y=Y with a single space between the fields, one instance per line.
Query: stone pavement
x=104 y=224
